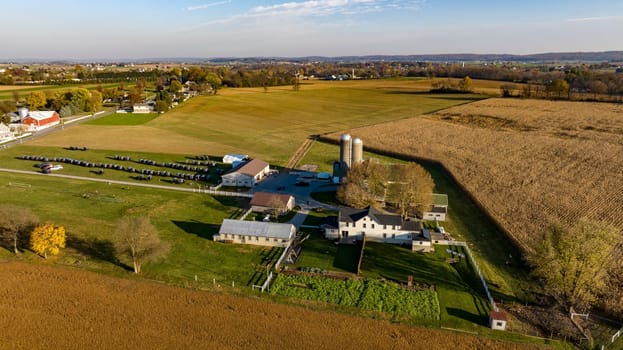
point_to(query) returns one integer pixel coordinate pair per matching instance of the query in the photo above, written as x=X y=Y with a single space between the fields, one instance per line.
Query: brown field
x=56 y=308
x=529 y=162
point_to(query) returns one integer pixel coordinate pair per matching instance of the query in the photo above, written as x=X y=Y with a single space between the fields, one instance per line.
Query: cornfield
x=529 y=162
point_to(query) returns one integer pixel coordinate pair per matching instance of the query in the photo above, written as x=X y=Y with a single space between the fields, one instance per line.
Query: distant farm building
x=439 y=208
x=38 y=120
x=378 y=226
x=5 y=133
x=142 y=108
x=497 y=320
x=231 y=158
x=272 y=202
x=247 y=175
x=256 y=233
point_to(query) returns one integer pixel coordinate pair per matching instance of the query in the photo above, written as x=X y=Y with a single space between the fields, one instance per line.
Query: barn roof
x=41 y=115
x=498 y=316
x=266 y=199
x=252 y=168
x=257 y=228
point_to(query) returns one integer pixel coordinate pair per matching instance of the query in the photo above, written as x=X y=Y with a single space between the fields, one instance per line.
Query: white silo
x=357 y=151
x=23 y=113
x=345 y=151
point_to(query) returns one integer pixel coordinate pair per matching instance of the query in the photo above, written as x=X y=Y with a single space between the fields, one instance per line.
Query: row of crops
x=375 y=295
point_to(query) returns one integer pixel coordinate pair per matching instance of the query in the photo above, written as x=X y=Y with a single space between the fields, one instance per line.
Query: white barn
x=378 y=226
x=256 y=233
x=5 y=133
x=247 y=175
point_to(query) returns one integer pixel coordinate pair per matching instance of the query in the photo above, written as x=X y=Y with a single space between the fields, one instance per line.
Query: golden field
x=56 y=308
x=529 y=162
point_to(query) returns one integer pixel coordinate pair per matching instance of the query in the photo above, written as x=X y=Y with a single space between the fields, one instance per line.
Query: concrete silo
x=357 y=153
x=345 y=151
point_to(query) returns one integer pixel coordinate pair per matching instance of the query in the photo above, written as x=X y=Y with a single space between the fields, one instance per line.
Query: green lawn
x=9 y=159
x=124 y=119
x=461 y=296
x=89 y=211
x=324 y=254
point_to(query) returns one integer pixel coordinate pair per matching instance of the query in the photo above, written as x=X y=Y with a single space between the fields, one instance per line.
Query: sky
x=134 y=29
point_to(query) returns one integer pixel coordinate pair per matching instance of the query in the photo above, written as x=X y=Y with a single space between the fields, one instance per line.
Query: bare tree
x=16 y=222
x=138 y=241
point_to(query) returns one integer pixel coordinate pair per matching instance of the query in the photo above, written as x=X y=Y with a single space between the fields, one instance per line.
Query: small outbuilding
x=272 y=202
x=140 y=108
x=439 y=208
x=498 y=320
x=256 y=233
x=231 y=158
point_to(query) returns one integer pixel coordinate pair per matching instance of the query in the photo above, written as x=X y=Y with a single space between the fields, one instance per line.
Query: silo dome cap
x=345 y=137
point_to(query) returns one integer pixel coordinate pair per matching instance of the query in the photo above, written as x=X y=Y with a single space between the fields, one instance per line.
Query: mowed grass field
x=52 y=307
x=270 y=126
x=89 y=212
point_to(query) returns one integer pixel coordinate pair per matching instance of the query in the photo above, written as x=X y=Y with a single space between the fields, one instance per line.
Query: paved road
x=130 y=183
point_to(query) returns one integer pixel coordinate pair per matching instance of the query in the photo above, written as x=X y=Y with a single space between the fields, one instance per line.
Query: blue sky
x=241 y=28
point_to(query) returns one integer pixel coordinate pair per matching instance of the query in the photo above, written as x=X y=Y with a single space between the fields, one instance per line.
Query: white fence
x=617 y=334
x=482 y=279
x=269 y=278
x=246 y=213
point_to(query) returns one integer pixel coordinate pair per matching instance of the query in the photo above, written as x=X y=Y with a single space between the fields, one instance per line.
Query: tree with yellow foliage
x=47 y=238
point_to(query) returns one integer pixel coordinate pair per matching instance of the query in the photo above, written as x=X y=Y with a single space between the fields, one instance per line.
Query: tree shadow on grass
x=468 y=316
x=346 y=257
x=96 y=248
x=200 y=229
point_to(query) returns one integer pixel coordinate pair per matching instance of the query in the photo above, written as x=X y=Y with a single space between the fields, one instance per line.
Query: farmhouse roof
x=442 y=210
x=440 y=199
x=257 y=228
x=348 y=214
x=252 y=168
x=498 y=315
x=266 y=199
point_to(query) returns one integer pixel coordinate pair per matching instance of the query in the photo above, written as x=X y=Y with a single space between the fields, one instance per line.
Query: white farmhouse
x=378 y=226
x=256 y=233
x=246 y=175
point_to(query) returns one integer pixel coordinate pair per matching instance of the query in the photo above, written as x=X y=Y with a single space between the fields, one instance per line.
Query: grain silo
x=345 y=151
x=357 y=151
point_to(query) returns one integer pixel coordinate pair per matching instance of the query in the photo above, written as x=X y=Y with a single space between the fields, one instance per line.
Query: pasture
x=7 y=91
x=269 y=126
x=89 y=212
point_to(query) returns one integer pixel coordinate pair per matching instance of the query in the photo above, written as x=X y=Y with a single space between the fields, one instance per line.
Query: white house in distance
x=142 y=108
x=266 y=201
x=246 y=175
x=5 y=133
x=439 y=209
x=378 y=226
x=497 y=320
x=256 y=233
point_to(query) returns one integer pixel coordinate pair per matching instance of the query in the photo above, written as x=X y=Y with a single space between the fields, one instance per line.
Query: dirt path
x=300 y=152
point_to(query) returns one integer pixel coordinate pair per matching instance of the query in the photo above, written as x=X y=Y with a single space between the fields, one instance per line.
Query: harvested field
x=529 y=162
x=56 y=308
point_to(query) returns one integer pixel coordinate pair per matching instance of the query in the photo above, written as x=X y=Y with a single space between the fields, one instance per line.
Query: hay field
x=268 y=125
x=529 y=162
x=57 y=308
